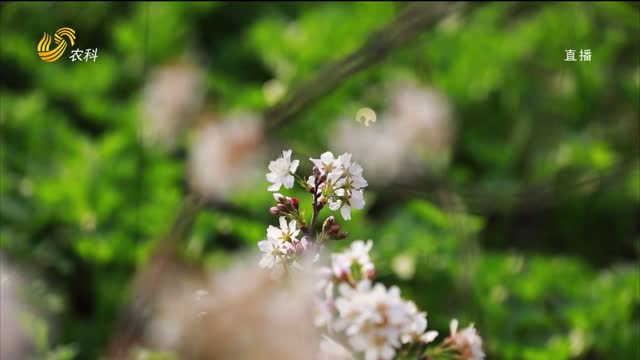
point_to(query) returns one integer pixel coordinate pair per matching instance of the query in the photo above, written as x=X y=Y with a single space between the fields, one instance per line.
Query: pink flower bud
x=294 y=202
x=274 y=211
x=326 y=226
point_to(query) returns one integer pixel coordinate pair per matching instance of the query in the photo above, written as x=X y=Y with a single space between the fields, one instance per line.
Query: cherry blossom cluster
x=374 y=320
x=336 y=182
x=360 y=319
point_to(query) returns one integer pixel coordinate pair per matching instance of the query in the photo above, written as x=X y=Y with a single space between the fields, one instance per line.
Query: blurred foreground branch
x=147 y=281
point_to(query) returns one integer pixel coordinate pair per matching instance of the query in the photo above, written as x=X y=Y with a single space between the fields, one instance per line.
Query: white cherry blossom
x=274 y=256
x=284 y=233
x=418 y=330
x=281 y=171
x=352 y=173
x=327 y=163
x=345 y=200
x=468 y=342
x=357 y=254
x=375 y=319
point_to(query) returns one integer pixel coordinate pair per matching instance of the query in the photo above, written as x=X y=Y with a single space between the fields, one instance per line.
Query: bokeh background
x=504 y=181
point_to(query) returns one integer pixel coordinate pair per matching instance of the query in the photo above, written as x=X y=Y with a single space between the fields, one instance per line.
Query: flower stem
x=442 y=351
x=314 y=216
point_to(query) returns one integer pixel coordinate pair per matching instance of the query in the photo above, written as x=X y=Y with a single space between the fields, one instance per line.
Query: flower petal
x=327 y=157
x=288 y=182
x=294 y=166
x=346 y=212
x=429 y=336
x=453 y=327
x=357 y=199
x=335 y=205
x=283 y=224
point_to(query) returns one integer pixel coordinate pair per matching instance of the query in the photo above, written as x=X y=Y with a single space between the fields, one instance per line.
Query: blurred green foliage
x=543 y=258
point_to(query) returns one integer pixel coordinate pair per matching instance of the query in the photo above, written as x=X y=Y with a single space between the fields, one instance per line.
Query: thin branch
x=534 y=198
x=314 y=216
x=413 y=20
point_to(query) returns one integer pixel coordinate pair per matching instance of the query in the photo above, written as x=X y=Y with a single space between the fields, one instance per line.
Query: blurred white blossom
x=404 y=266
x=245 y=315
x=415 y=133
x=275 y=256
x=225 y=156
x=331 y=350
x=323 y=310
x=273 y=91
x=418 y=330
x=171 y=97
x=15 y=343
x=467 y=341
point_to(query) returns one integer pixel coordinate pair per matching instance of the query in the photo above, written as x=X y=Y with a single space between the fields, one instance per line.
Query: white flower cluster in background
x=359 y=318
x=415 y=132
x=171 y=97
x=224 y=155
x=234 y=312
x=15 y=340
